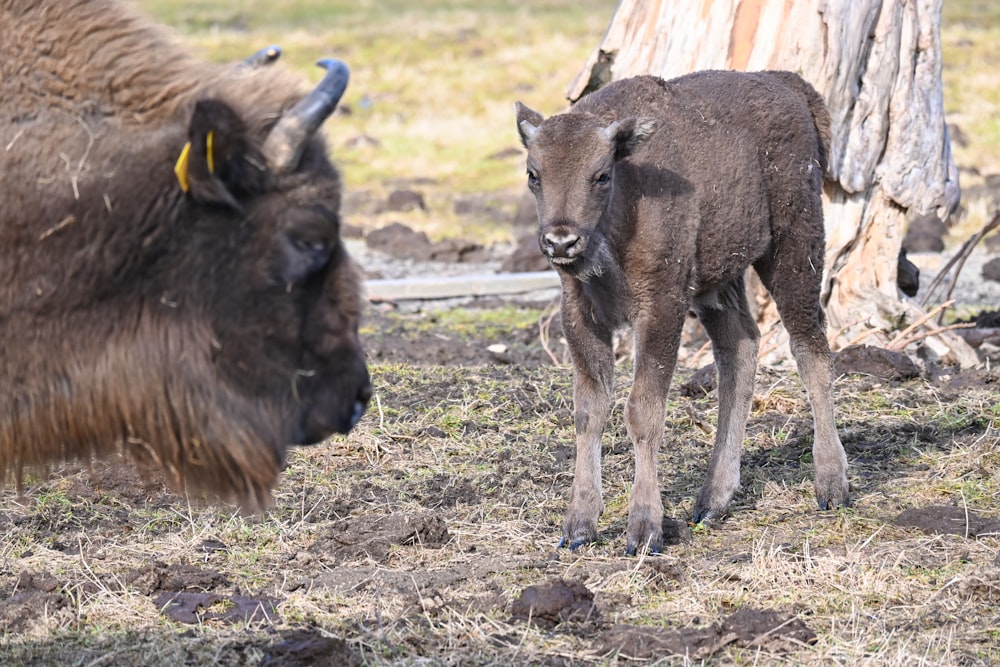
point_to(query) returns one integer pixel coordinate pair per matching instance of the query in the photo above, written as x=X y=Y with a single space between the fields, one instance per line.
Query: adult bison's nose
x=333 y=408
x=364 y=395
x=561 y=245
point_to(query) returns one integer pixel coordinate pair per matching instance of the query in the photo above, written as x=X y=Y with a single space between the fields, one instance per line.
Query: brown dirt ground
x=428 y=536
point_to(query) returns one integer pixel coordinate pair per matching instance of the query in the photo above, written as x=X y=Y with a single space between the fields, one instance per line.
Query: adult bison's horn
x=283 y=146
x=264 y=57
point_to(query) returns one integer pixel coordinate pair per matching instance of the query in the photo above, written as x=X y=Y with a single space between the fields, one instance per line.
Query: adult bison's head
x=258 y=256
x=185 y=296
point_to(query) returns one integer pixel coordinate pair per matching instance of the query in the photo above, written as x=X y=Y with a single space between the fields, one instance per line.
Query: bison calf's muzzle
x=674 y=189
x=561 y=247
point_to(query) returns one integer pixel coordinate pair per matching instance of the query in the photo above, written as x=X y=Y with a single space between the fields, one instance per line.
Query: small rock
x=991 y=270
x=405 y=200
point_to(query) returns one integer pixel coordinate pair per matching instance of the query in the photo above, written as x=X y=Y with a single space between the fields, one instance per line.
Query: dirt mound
x=876 y=362
x=309 y=647
x=37 y=602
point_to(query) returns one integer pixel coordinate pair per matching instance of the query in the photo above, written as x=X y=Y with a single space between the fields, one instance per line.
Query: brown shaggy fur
x=204 y=332
x=654 y=197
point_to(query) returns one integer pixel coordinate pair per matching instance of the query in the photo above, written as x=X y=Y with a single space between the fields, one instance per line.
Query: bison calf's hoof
x=577 y=533
x=706 y=517
x=831 y=503
x=832 y=491
x=644 y=534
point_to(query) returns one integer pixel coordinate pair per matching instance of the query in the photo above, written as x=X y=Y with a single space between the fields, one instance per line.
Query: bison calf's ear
x=528 y=121
x=628 y=134
x=213 y=167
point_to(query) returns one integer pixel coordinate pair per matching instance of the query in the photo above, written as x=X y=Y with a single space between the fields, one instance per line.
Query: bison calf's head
x=571 y=166
x=196 y=306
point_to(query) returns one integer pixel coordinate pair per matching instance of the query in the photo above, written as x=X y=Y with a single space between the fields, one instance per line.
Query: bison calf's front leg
x=591 y=407
x=657 y=338
x=644 y=414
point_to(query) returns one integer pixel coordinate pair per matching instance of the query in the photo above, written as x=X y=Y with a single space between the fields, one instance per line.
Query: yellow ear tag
x=181 y=168
x=209 y=152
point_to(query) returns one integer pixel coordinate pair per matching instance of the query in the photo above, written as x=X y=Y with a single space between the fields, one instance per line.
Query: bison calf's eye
x=602 y=179
x=533 y=181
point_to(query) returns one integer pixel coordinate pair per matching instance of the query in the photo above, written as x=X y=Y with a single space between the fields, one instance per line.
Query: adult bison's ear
x=528 y=121
x=213 y=167
x=628 y=134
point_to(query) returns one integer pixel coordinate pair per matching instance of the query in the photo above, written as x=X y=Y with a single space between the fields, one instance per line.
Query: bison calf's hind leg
x=794 y=282
x=735 y=341
x=813 y=361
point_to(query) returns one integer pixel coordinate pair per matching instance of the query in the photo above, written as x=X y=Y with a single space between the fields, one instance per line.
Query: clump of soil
x=398 y=240
x=948 y=520
x=373 y=536
x=767 y=630
x=309 y=647
x=555 y=602
x=876 y=362
x=38 y=601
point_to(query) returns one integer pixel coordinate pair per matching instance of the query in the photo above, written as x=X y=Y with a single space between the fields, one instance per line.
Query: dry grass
x=487 y=449
x=482 y=448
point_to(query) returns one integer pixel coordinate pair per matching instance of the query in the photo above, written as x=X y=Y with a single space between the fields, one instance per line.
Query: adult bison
x=172 y=280
x=654 y=197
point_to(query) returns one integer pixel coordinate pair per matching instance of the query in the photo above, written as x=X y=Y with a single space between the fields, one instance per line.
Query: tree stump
x=877 y=63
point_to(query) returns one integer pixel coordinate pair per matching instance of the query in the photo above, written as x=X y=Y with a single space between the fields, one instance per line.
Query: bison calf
x=172 y=279
x=653 y=198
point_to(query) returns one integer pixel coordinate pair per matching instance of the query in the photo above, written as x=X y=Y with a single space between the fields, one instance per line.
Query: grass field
x=432 y=89
x=410 y=541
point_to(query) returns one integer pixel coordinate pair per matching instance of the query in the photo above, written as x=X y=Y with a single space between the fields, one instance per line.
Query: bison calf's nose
x=558 y=245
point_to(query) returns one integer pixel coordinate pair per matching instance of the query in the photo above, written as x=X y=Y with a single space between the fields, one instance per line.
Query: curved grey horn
x=283 y=146
x=265 y=56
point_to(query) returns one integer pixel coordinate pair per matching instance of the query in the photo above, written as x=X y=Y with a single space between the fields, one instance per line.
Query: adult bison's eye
x=306 y=243
x=602 y=178
x=533 y=181
x=304 y=256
